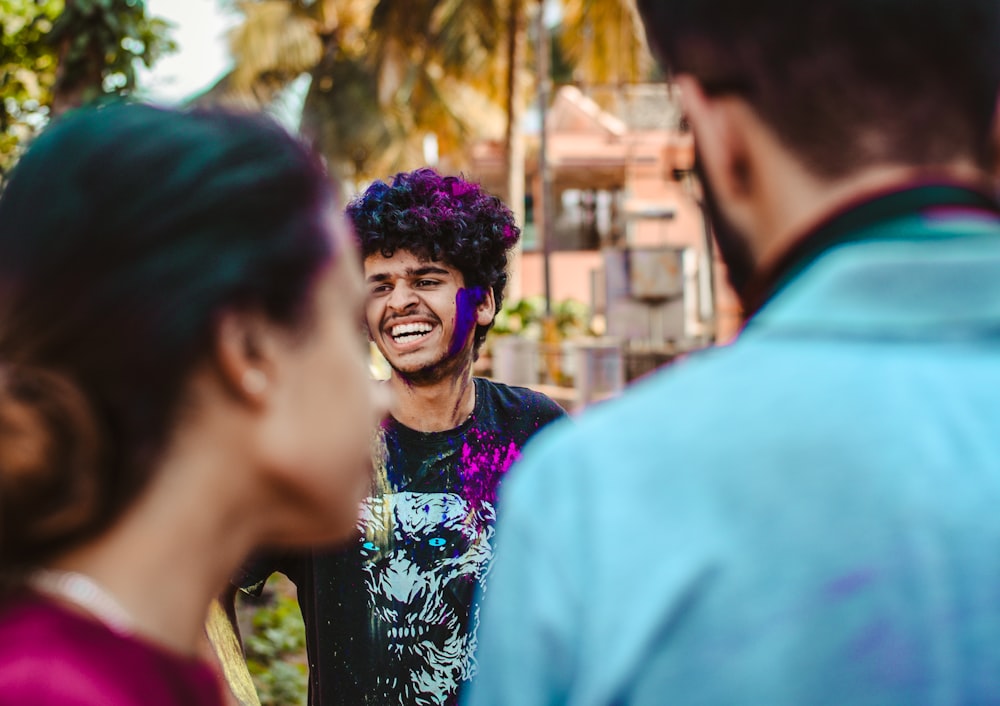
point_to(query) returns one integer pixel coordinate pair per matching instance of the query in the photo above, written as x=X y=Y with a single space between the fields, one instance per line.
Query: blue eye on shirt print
x=422 y=550
x=371 y=547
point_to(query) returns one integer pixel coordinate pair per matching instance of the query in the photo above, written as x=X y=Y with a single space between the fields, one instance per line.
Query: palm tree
x=386 y=73
x=58 y=54
x=400 y=69
x=427 y=67
x=603 y=42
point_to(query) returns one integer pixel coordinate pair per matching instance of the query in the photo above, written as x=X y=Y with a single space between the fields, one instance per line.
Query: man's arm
x=222 y=629
x=227 y=600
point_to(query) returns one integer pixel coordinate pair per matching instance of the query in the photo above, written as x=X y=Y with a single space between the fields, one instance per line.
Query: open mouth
x=408 y=333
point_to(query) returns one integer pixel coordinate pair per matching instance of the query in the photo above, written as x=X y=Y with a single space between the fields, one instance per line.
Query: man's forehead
x=403 y=262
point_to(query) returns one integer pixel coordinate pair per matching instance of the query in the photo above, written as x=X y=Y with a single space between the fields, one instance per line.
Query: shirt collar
x=855 y=222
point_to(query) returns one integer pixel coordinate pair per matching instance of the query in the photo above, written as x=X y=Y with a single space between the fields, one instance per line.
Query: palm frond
x=604 y=41
x=275 y=42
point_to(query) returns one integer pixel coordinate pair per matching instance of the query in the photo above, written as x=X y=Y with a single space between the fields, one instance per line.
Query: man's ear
x=720 y=133
x=244 y=355
x=486 y=309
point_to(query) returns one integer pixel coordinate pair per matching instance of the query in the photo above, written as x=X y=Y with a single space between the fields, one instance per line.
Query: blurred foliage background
x=525 y=317
x=404 y=69
x=56 y=54
x=382 y=75
x=275 y=647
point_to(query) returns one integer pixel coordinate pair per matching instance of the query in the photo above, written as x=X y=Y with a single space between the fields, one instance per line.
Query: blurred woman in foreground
x=181 y=381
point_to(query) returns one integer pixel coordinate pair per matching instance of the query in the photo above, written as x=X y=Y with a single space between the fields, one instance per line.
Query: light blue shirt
x=810 y=515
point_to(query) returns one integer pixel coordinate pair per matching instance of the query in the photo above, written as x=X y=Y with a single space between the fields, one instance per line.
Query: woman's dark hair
x=442 y=218
x=124 y=233
x=846 y=83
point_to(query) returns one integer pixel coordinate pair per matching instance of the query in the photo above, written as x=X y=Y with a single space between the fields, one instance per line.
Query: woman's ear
x=486 y=309
x=244 y=355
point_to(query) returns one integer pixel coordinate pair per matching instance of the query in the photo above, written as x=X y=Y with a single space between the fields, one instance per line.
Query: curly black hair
x=441 y=218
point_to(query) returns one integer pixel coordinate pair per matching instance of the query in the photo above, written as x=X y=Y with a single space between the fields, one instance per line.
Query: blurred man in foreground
x=807 y=516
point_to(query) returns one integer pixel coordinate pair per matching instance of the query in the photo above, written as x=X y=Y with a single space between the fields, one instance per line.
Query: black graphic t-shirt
x=391 y=620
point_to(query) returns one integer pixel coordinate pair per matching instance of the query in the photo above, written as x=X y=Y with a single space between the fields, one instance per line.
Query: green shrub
x=276 y=653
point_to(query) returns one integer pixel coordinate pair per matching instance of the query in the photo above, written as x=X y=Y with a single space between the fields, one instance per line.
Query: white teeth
x=407 y=329
x=396 y=633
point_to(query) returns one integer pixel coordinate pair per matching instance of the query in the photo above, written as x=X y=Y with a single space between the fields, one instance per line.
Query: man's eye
x=382 y=288
x=427 y=282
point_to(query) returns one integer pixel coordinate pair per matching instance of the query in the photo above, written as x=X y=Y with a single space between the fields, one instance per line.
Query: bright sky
x=202 y=56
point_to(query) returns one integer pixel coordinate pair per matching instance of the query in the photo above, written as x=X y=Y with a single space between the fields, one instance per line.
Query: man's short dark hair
x=441 y=218
x=846 y=83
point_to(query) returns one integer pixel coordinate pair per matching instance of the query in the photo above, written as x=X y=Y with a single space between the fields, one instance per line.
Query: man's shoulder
x=706 y=401
x=519 y=402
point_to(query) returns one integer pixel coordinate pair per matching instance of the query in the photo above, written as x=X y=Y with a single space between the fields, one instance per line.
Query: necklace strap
x=84 y=592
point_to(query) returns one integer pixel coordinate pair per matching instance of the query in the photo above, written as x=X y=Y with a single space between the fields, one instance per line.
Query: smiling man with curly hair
x=392 y=620
x=456 y=234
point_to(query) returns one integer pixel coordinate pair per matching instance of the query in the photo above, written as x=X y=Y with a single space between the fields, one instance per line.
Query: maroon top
x=50 y=656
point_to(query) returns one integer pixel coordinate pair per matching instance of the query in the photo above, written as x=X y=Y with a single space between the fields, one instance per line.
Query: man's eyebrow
x=409 y=273
x=428 y=270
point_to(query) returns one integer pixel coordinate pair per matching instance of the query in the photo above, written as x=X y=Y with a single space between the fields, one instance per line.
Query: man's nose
x=402 y=298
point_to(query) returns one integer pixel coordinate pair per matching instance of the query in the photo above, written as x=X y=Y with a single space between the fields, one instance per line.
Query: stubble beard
x=445 y=368
x=734 y=247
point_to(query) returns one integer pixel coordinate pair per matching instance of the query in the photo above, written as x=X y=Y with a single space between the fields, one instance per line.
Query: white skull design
x=424 y=556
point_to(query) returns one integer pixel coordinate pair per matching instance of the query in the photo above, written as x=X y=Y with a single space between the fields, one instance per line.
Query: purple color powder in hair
x=461 y=188
x=466 y=302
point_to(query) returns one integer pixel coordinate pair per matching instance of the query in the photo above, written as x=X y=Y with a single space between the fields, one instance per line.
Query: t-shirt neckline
x=430 y=437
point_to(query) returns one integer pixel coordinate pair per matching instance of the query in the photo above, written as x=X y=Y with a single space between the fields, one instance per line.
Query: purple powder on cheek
x=466 y=302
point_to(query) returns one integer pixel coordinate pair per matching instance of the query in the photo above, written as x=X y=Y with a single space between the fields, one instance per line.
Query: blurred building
x=625 y=207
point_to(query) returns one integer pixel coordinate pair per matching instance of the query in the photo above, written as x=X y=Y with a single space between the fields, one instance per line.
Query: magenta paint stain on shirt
x=484 y=461
x=466 y=302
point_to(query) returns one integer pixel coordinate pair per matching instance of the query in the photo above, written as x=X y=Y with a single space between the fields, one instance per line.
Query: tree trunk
x=514 y=149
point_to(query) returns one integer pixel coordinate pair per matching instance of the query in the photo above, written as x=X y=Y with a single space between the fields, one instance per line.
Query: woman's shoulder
x=50 y=656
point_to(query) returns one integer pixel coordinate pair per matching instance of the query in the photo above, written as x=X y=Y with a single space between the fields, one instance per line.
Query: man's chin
x=427 y=374
x=424 y=373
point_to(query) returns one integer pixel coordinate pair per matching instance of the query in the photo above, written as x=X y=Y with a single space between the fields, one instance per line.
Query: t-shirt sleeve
x=544 y=410
x=550 y=411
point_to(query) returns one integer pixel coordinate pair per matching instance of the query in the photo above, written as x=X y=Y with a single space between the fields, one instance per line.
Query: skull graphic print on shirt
x=424 y=556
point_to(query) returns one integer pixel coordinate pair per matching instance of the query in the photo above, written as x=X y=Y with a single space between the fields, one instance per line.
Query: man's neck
x=437 y=406
x=797 y=206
